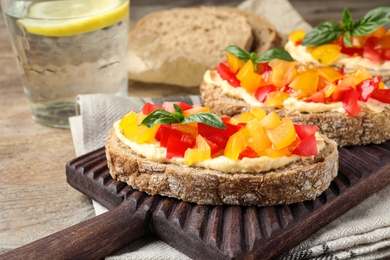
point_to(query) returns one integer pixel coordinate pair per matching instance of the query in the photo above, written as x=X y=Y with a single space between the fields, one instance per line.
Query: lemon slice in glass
x=71 y=17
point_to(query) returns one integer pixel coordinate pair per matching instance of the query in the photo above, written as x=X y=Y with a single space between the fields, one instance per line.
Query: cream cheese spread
x=300 y=53
x=156 y=153
x=292 y=104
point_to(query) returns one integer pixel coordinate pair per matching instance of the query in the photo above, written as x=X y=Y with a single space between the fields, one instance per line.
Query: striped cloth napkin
x=361 y=233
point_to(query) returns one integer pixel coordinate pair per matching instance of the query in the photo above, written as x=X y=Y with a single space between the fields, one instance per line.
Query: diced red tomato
x=248 y=152
x=207 y=131
x=318 y=97
x=382 y=95
x=224 y=71
x=351 y=51
x=178 y=142
x=386 y=54
x=366 y=87
x=149 y=108
x=304 y=131
x=168 y=106
x=219 y=139
x=162 y=134
x=372 y=54
x=214 y=148
x=350 y=102
x=339 y=93
x=261 y=93
x=307 y=147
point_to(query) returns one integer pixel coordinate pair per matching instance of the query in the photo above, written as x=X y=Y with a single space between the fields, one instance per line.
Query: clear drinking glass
x=66 y=48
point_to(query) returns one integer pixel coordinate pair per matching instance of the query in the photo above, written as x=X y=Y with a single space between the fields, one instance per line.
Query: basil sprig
x=160 y=116
x=267 y=56
x=329 y=31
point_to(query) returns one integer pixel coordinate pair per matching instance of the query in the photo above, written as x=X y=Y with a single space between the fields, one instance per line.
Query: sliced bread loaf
x=177 y=46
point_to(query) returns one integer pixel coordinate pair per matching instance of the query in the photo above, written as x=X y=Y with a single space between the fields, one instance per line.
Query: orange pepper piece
x=283 y=134
x=201 y=153
x=234 y=62
x=297 y=36
x=282 y=72
x=306 y=82
x=270 y=121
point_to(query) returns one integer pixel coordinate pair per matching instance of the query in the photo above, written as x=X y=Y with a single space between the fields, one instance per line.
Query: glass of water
x=66 y=48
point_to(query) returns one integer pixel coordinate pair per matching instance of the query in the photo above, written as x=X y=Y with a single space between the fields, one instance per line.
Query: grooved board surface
x=224 y=232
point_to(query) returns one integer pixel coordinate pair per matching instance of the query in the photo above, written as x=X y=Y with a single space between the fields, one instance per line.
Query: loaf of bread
x=177 y=46
x=301 y=180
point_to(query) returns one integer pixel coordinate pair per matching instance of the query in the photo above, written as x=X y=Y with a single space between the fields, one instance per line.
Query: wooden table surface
x=35 y=199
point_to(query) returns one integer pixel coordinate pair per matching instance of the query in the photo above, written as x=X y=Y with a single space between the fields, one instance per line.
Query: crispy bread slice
x=298 y=181
x=368 y=127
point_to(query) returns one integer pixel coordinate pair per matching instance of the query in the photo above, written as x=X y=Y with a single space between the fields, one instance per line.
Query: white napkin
x=363 y=232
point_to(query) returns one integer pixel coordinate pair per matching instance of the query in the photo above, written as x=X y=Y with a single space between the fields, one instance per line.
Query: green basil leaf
x=206 y=118
x=347 y=19
x=347 y=39
x=371 y=21
x=274 y=53
x=178 y=114
x=159 y=116
x=238 y=52
x=322 y=34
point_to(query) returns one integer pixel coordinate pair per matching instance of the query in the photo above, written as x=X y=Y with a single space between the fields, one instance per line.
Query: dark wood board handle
x=92 y=239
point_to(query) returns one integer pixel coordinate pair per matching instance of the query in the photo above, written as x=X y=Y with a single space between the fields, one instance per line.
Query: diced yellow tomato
x=276 y=98
x=245 y=117
x=234 y=62
x=236 y=144
x=140 y=118
x=330 y=73
x=382 y=85
x=130 y=131
x=146 y=134
x=328 y=90
x=259 y=141
x=201 y=153
x=326 y=54
x=297 y=36
x=258 y=112
x=359 y=75
x=248 y=67
x=188 y=128
x=128 y=119
x=283 y=134
x=251 y=81
x=270 y=121
x=306 y=82
x=283 y=72
x=275 y=153
x=195 y=110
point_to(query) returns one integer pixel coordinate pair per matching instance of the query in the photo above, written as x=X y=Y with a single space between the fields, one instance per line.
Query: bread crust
x=301 y=180
x=367 y=127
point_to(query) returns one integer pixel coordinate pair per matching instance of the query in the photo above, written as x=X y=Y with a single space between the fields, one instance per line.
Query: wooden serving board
x=206 y=232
